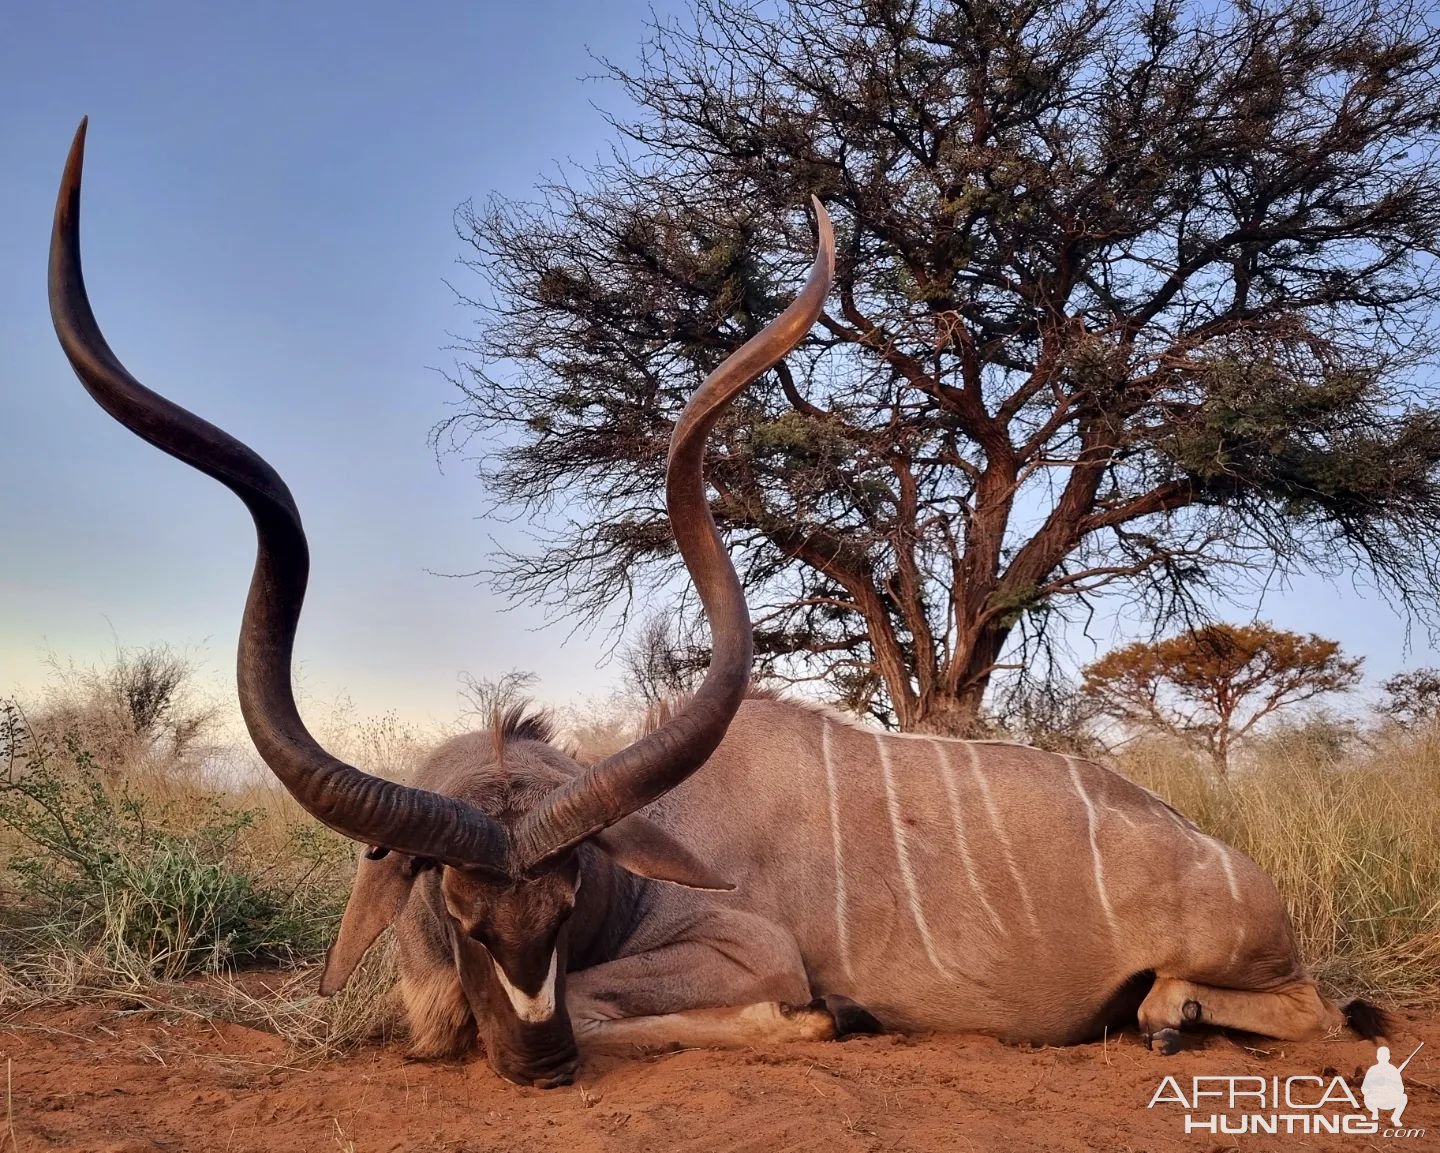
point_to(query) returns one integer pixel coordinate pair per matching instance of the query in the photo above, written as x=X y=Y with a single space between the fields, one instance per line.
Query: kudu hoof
x=1166 y=1040
x=851 y=1019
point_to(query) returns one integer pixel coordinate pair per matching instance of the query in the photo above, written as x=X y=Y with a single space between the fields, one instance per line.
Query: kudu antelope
x=816 y=878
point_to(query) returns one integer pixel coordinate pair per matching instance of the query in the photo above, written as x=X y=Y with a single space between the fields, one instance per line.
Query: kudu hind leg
x=1295 y=1012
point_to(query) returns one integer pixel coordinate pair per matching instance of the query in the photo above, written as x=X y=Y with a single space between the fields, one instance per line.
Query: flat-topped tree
x=1130 y=298
x=1213 y=685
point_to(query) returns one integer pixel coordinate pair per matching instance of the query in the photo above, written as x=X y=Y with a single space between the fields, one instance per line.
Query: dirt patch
x=91 y=1081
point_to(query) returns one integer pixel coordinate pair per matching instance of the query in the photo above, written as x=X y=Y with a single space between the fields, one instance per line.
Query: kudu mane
x=521 y=721
x=659 y=713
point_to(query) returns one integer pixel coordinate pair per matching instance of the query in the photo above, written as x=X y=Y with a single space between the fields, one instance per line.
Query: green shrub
x=159 y=884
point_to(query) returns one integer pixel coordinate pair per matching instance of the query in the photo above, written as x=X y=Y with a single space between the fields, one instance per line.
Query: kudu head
x=504 y=861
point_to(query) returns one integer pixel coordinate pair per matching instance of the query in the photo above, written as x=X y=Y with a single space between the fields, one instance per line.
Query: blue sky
x=267 y=232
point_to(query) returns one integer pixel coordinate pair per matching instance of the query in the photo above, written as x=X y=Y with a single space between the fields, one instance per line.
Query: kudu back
x=816 y=879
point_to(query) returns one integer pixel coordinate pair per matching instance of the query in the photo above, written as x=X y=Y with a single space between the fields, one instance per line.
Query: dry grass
x=111 y=830
x=1352 y=840
x=120 y=817
x=282 y=1001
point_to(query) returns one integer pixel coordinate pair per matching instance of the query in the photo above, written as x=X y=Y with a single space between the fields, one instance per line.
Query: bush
x=160 y=885
x=142 y=709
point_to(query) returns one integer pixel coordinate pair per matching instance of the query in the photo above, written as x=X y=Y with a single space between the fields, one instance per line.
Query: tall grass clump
x=1350 y=833
x=148 y=877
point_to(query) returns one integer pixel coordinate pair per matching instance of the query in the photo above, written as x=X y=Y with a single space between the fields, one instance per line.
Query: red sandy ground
x=89 y=1080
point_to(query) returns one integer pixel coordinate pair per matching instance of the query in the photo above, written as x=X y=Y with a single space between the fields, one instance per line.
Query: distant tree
x=594 y=729
x=663 y=660
x=145 y=684
x=141 y=708
x=1412 y=698
x=141 y=705
x=1316 y=736
x=1130 y=298
x=486 y=697
x=1213 y=685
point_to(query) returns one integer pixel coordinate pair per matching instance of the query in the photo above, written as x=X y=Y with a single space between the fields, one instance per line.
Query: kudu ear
x=643 y=848
x=382 y=886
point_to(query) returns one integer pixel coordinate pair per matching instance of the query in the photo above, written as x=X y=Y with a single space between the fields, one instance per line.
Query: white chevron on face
x=531 y=1009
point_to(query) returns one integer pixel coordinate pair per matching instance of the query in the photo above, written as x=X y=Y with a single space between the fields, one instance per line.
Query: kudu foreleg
x=1295 y=1012
x=767 y=1022
x=736 y=981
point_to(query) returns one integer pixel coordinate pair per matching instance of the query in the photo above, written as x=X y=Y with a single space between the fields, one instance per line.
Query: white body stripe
x=902 y=853
x=842 y=927
x=1099 y=869
x=1182 y=823
x=1223 y=851
x=540 y=1007
x=952 y=793
x=1000 y=834
x=1239 y=944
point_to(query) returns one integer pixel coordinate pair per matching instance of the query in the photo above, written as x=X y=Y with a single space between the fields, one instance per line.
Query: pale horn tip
x=826 y=230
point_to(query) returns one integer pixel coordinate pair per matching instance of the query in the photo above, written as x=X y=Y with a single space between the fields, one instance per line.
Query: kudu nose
x=549 y=1072
x=563 y=1076
x=543 y=1056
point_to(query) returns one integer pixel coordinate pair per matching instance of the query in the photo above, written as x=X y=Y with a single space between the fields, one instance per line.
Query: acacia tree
x=143 y=703
x=1211 y=686
x=1130 y=298
x=1412 y=698
x=487 y=697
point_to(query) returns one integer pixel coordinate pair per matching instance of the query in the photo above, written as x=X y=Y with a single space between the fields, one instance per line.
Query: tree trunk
x=951 y=707
x=1220 y=745
x=950 y=715
x=1220 y=751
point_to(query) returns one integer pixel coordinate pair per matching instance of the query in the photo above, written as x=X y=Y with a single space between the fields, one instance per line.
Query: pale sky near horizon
x=267 y=231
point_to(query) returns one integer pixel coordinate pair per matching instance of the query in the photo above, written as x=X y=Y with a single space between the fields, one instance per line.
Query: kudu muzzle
x=540 y=1051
